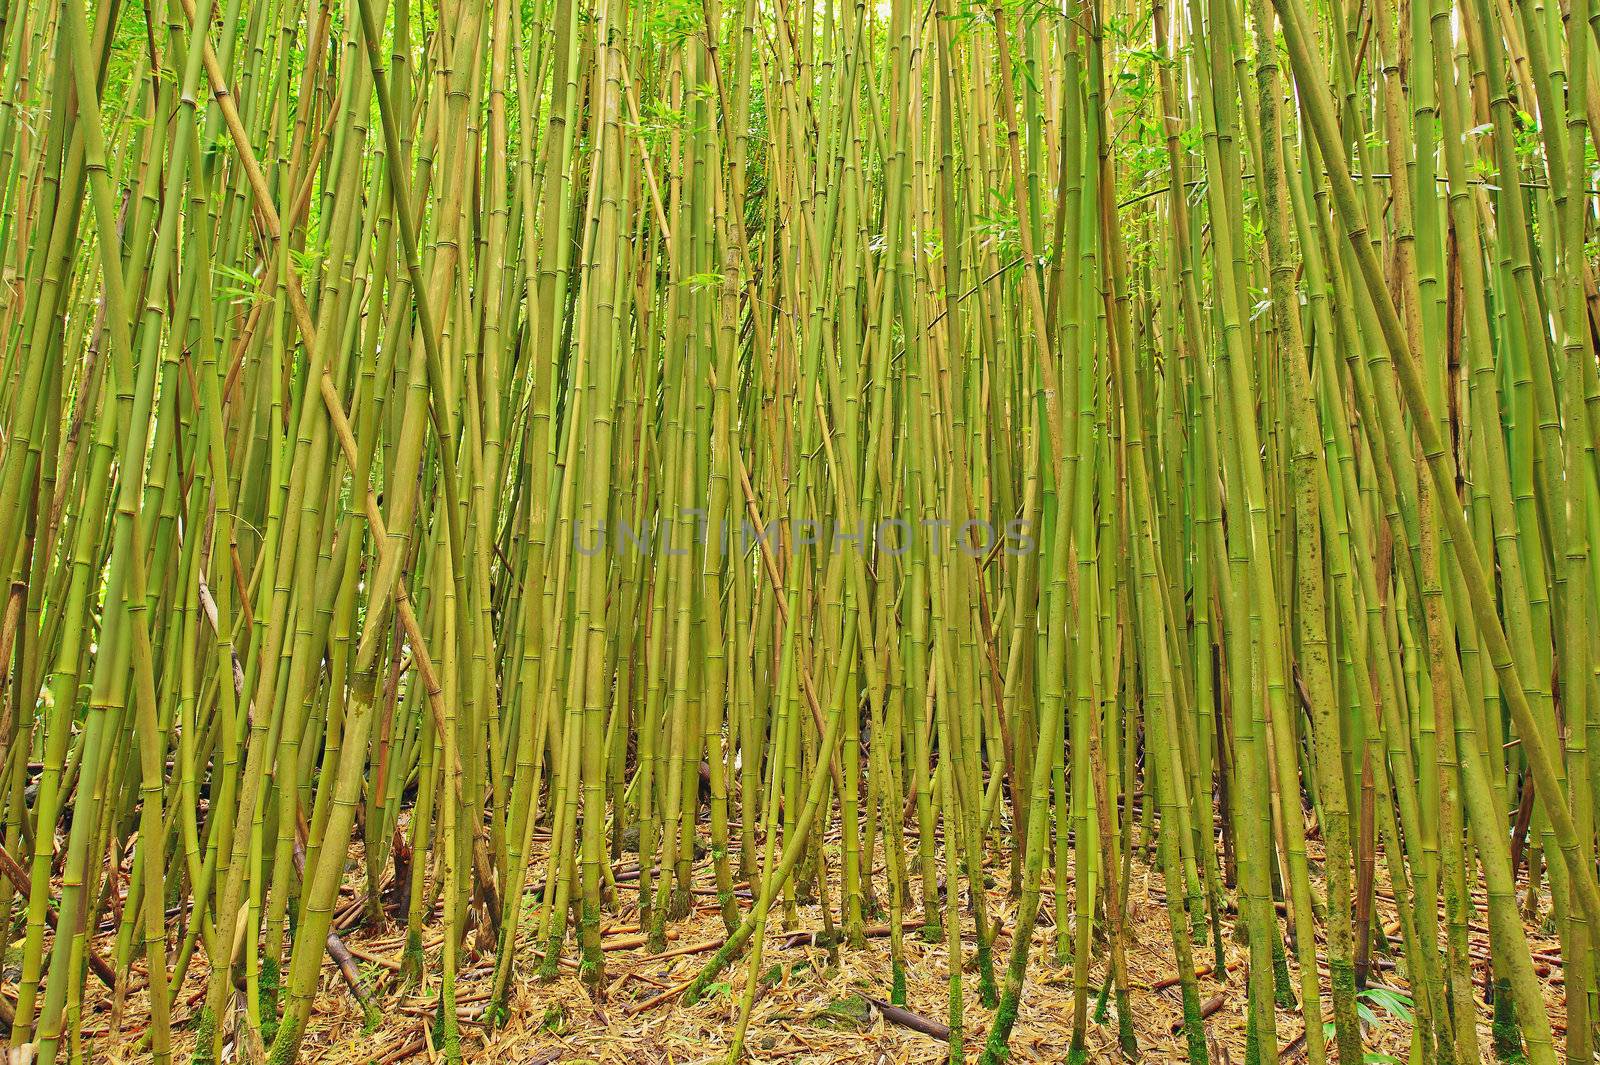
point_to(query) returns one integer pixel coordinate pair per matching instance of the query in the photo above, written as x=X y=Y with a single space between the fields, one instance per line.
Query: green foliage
x=234 y=285
x=674 y=21
x=1373 y=1004
x=709 y=281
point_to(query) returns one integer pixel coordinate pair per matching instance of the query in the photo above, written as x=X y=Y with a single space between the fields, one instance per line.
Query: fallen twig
x=907 y=1019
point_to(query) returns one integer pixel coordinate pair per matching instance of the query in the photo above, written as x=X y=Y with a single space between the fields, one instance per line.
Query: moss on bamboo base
x=267 y=999
x=995 y=1050
x=447 y=1031
x=1194 y=1025
x=988 y=993
x=550 y=966
x=1507 y=1032
x=205 y=1037
x=713 y=968
x=592 y=966
x=411 y=959
x=728 y=906
x=1126 y=1039
x=1282 y=982
x=1346 y=1022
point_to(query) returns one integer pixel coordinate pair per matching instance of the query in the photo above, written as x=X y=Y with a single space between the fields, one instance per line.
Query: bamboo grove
x=868 y=450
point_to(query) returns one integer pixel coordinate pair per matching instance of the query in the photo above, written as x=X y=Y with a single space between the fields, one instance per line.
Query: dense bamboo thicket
x=878 y=447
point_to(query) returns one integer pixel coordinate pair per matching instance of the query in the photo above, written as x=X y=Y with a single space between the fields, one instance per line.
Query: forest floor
x=792 y=1021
